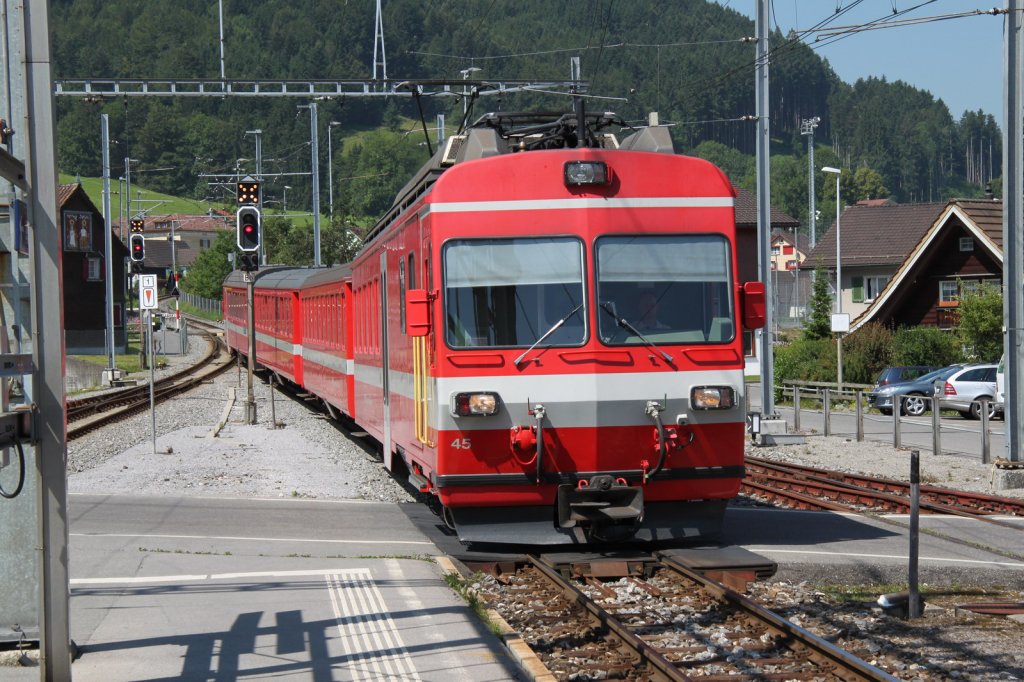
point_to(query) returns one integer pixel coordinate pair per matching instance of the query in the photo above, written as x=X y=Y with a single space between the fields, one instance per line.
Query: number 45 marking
x=462 y=444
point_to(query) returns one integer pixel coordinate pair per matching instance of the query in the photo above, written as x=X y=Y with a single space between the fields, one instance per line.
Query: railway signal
x=137 y=247
x=136 y=225
x=248 y=192
x=247 y=221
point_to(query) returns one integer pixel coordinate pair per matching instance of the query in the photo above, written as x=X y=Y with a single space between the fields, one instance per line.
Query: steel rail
x=989 y=503
x=821 y=649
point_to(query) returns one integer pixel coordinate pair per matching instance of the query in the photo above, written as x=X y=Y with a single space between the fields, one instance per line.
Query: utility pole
x=764 y=224
x=807 y=127
x=315 y=171
x=1013 y=232
x=108 y=236
x=330 y=171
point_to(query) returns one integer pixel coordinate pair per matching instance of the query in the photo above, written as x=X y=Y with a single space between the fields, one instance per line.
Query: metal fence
x=208 y=305
x=851 y=398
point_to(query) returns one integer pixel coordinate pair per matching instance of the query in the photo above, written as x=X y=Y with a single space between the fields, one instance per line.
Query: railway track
x=653 y=618
x=805 y=487
x=92 y=412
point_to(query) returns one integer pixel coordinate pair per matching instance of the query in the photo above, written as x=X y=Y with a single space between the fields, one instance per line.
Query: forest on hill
x=687 y=60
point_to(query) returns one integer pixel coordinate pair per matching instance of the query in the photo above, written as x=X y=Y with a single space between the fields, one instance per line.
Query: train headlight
x=712 y=397
x=482 y=404
x=579 y=173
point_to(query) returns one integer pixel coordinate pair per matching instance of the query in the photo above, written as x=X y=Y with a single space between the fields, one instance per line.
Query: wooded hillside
x=684 y=59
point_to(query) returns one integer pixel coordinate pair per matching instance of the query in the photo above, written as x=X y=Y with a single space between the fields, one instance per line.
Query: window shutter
x=858 y=289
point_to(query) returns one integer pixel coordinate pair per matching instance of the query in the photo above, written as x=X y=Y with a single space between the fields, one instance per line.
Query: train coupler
x=602 y=500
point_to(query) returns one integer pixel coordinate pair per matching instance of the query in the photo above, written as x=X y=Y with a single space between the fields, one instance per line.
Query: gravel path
x=307 y=456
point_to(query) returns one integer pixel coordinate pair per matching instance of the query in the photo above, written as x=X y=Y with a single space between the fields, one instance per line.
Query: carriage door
x=385 y=362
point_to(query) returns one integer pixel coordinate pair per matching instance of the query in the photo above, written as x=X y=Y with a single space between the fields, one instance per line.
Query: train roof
x=498 y=133
x=287 y=277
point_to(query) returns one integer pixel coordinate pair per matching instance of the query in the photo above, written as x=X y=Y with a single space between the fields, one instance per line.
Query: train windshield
x=665 y=289
x=510 y=292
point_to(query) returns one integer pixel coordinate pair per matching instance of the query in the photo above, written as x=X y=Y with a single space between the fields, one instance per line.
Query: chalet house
x=962 y=247
x=84 y=242
x=875 y=239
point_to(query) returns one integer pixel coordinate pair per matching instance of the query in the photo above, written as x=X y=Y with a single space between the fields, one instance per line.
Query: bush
x=924 y=346
x=806 y=360
x=866 y=352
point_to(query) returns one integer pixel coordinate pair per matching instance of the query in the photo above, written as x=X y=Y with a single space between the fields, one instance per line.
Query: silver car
x=965 y=389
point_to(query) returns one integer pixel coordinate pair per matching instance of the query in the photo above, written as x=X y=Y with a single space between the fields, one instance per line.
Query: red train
x=543 y=331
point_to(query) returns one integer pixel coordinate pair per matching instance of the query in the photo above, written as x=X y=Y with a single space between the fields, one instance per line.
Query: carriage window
x=670 y=288
x=510 y=292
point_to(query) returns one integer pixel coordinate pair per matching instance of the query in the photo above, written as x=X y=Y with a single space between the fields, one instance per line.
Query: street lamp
x=839 y=325
x=330 y=171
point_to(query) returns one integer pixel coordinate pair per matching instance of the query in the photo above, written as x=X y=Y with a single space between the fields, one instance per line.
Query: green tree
x=819 y=324
x=866 y=352
x=868 y=184
x=980 y=331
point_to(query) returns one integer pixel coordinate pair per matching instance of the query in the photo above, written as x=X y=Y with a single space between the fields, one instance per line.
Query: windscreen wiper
x=624 y=323
x=548 y=333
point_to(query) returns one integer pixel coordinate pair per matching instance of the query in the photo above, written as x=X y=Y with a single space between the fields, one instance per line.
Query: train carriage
x=327 y=370
x=546 y=334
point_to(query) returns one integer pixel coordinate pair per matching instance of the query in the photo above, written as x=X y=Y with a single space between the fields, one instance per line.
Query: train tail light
x=712 y=397
x=579 y=173
x=481 y=404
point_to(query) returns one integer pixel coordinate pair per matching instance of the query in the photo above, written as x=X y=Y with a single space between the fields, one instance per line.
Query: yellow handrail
x=420 y=397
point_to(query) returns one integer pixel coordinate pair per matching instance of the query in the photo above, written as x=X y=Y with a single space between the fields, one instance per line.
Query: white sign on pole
x=147 y=292
x=841 y=322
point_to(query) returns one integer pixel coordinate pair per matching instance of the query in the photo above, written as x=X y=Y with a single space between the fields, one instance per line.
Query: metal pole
x=220 y=14
x=796 y=408
x=47 y=391
x=808 y=129
x=764 y=228
x=1013 y=232
x=986 y=438
x=860 y=415
x=330 y=171
x=839 y=358
x=315 y=171
x=897 y=407
x=936 y=426
x=826 y=405
x=108 y=236
x=914 y=607
x=152 y=376
x=273 y=406
x=250 y=396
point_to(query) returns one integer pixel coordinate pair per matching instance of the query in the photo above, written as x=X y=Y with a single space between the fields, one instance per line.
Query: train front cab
x=557 y=420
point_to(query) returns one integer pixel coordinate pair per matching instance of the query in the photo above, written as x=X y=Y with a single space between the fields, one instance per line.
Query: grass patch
x=205 y=314
x=126 y=362
x=464 y=588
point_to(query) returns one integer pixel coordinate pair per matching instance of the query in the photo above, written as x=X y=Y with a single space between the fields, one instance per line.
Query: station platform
x=154 y=596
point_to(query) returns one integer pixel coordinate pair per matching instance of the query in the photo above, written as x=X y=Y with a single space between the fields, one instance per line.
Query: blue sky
x=959 y=60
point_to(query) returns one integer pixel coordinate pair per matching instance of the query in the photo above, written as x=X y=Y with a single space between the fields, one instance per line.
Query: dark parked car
x=966 y=388
x=914 y=393
x=895 y=375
